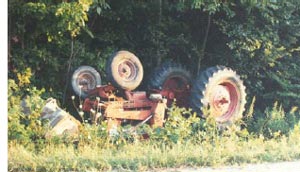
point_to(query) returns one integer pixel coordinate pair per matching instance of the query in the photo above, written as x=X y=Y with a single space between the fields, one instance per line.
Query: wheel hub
x=224 y=100
x=127 y=70
x=86 y=82
x=220 y=100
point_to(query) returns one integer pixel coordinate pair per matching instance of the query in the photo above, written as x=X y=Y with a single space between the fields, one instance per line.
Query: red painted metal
x=103 y=91
x=137 y=95
x=89 y=104
x=233 y=99
x=135 y=106
x=176 y=88
x=224 y=100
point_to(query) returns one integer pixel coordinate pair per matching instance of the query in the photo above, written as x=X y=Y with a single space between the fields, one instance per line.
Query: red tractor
x=217 y=89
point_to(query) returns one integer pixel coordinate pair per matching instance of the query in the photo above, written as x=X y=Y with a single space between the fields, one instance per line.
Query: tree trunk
x=9 y=43
x=159 y=58
x=69 y=69
x=203 y=47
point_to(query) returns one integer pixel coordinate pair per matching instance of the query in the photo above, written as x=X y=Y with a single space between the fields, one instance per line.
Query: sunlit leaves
x=100 y=5
x=24 y=78
x=73 y=15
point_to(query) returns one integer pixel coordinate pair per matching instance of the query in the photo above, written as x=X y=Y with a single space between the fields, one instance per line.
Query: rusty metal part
x=172 y=81
x=127 y=70
x=224 y=100
x=103 y=91
x=135 y=106
x=173 y=92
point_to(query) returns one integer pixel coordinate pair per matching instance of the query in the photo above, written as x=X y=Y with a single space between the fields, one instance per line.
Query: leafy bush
x=178 y=127
x=184 y=140
x=262 y=41
x=52 y=39
x=181 y=125
x=206 y=147
x=259 y=40
x=273 y=122
x=48 y=39
x=24 y=107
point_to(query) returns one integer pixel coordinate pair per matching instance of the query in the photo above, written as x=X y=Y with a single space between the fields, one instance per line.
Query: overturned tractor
x=217 y=90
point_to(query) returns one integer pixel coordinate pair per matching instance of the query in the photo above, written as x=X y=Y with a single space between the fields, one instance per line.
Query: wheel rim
x=86 y=81
x=223 y=101
x=127 y=70
x=178 y=88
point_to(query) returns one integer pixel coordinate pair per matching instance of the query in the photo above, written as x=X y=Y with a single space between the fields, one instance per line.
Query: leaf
x=99 y=10
x=89 y=32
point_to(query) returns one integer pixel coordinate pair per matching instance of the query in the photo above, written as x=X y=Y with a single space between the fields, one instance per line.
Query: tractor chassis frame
x=134 y=106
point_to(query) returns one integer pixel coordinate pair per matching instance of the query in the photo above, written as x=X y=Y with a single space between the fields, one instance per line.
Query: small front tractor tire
x=124 y=70
x=85 y=78
x=219 y=92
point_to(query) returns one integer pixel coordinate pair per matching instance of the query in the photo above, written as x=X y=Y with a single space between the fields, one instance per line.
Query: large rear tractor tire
x=124 y=70
x=219 y=92
x=172 y=79
x=85 y=78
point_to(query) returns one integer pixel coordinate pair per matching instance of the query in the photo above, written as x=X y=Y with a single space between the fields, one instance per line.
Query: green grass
x=154 y=155
x=184 y=141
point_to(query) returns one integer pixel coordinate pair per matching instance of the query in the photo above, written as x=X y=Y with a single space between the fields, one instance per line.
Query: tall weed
x=185 y=140
x=178 y=126
x=273 y=122
x=24 y=107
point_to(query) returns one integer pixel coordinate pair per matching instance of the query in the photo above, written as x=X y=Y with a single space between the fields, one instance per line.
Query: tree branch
x=203 y=47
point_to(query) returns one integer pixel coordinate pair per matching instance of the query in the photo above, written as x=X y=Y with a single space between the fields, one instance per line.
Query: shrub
x=24 y=107
x=273 y=122
x=178 y=126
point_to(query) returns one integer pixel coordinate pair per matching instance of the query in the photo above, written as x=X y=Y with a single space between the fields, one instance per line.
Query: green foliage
x=96 y=151
x=178 y=127
x=15 y=129
x=99 y=6
x=285 y=83
x=274 y=122
x=259 y=37
x=24 y=107
x=45 y=36
x=184 y=139
x=73 y=15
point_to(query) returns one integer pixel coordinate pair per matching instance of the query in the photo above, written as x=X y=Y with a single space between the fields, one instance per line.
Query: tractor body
x=218 y=90
x=132 y=106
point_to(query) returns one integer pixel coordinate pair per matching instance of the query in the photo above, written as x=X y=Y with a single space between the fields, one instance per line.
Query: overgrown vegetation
x=145 y=155
x=24 y=108
x=48 y=39
x=258 y=39
x=184 y=141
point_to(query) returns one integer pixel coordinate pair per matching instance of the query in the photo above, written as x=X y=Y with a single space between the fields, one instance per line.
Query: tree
x=259 y=39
